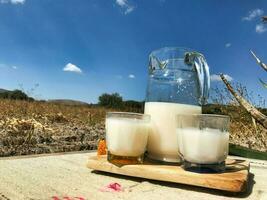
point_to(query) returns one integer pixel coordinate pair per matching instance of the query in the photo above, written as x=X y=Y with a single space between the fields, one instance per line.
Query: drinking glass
x=126 y=136
x=203 y=141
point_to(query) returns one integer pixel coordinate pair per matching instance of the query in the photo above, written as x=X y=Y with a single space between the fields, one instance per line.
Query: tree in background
x=110 y=100
x=134 y=106
x=15 y=95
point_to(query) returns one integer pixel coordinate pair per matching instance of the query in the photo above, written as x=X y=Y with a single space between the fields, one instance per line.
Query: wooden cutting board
x=234 y=179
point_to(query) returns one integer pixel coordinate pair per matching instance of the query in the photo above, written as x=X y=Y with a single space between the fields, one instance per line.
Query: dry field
x=244 y=131
x=39 y=127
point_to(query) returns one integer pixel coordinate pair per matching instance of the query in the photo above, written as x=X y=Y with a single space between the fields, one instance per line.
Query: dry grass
x=39 y=127
x=244 y=130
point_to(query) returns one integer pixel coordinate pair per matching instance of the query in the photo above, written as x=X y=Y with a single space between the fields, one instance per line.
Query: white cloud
x=260 y=28
x=8 y=66
x=227 y=45
x=121 y=2
x=216 y=77
x=253 y=14
x=131 y=76
x=13 y=1
x=72 y=68
x=129 y=10
x=124 y=4
x=17 y=1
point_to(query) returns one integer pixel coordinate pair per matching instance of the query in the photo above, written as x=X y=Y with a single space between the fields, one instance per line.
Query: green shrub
x=15 y=95
x=110 y=100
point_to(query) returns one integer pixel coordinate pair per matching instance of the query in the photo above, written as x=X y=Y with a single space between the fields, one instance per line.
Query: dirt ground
x=67 y=177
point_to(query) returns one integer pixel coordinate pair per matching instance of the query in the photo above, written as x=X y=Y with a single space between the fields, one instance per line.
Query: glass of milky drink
x=203 y=141
x=126 y=136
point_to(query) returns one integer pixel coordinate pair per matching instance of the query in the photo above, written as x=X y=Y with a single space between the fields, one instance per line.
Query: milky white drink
x=206 y=146
x=126 y=137
x=162 y=141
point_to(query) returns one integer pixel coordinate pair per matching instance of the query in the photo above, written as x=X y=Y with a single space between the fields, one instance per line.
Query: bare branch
x=256 y=114
x=259 y=62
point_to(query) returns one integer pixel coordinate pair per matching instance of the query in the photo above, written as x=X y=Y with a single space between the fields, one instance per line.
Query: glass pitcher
x=178 y=83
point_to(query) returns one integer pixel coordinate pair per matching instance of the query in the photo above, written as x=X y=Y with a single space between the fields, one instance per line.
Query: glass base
x=204 y=168
x=170 y=159
x=125 y=160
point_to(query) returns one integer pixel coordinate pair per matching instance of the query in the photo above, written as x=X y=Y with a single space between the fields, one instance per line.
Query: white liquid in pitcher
x=126 y=137
x=207 y=146
x=162 y=140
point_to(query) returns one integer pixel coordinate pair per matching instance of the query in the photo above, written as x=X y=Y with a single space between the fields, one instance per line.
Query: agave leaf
x=259 y=62
x=254 y=124
x=246 y=152
x=254 y=112
x=263 y=83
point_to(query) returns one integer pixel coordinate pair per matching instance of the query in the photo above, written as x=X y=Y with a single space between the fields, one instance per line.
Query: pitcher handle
x=199 y=63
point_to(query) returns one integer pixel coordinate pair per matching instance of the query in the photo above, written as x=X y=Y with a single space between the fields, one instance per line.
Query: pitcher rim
x=185 y=49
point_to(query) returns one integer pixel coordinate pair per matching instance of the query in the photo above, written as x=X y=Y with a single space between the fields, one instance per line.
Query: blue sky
x=79 y=49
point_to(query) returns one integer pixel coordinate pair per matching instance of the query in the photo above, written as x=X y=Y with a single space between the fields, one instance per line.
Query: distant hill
x=68 y=102
x=3 y=90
